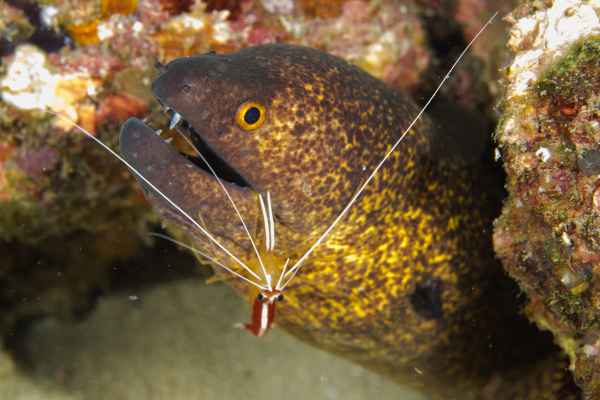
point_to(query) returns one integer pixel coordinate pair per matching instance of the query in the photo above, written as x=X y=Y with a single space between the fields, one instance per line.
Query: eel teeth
x=175 y=120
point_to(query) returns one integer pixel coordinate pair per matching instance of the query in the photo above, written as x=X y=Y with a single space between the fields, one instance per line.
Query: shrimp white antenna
x=278 y=286
x=237 y=211
x=271 y=220
x=296 y=266
x=263 y=209
x=164 y=196
x=209 y=258
x=267 y=211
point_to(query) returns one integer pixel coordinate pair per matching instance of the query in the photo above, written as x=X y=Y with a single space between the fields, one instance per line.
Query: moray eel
x=406 y=284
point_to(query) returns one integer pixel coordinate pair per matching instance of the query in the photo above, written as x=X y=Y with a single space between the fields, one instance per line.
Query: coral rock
x=547 y=236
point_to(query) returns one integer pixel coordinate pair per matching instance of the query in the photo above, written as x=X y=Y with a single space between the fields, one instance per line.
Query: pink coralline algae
x=36 y=162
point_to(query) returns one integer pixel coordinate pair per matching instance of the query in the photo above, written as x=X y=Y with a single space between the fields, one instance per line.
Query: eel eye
x=260 y=297
x=250 y=115
x=279 y=297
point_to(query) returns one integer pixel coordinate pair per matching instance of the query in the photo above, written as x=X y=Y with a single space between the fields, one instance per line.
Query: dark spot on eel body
x=427 y=299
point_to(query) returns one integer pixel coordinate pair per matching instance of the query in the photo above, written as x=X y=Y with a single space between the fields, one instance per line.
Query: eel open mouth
x=221 y=168
x=185 y=179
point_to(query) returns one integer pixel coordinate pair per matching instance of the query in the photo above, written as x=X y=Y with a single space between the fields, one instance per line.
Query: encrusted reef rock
x=14 y=27
x=548 y=236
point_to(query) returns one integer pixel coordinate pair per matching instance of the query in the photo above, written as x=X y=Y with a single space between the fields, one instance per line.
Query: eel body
x=407 y=283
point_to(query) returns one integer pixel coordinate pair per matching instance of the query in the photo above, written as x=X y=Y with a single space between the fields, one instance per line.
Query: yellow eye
x=250 y=115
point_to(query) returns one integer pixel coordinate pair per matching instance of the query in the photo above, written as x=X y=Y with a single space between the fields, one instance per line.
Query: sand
x=178 y=341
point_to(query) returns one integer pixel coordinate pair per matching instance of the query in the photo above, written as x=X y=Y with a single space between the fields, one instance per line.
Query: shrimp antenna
x=209 y=258
x=263 y=209
x=157 y=190
x=282 y=275
x=269 y=220
x=294 y=269
x=177 y=117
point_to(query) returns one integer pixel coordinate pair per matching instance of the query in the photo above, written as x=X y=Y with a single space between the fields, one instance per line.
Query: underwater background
x=93 y=307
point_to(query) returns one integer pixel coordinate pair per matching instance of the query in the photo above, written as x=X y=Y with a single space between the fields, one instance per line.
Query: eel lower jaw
x=170 y=178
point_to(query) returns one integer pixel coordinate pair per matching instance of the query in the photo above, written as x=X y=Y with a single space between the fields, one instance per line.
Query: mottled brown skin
x=406 y=284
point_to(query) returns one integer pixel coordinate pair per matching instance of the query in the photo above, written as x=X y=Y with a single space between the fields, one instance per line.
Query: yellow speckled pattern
x=406 y=284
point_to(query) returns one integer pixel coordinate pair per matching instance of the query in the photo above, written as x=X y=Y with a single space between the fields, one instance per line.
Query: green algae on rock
x=547 y=236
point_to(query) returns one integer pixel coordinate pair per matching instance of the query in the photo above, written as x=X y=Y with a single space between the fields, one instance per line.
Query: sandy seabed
x=177 y=341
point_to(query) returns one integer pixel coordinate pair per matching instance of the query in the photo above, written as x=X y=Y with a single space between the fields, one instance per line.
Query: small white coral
x=278 y=6
x=543 y=154
x=48 y=16
x=29 y=84
x=105 y=31
x=222 y=32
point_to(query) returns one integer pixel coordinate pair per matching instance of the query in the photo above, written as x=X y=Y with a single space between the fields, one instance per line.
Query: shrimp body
x=263 y=312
